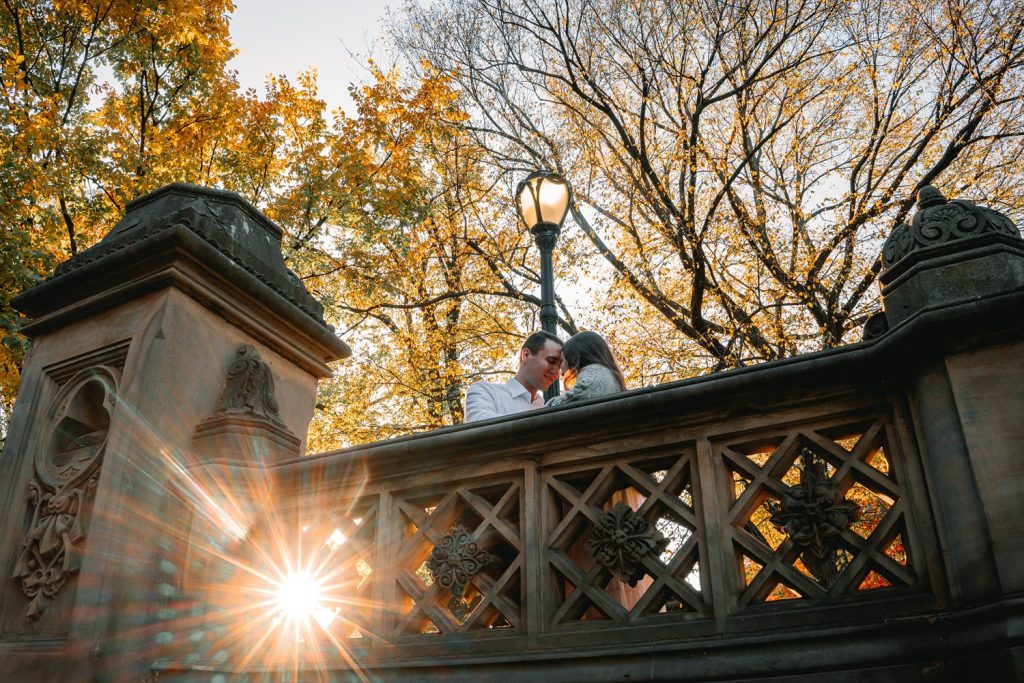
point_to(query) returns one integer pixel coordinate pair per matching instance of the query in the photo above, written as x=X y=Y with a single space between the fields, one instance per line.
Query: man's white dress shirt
x=485 y=400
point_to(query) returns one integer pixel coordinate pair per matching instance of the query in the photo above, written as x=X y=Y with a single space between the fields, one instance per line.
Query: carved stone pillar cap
x=939 y=222
x=207 y=242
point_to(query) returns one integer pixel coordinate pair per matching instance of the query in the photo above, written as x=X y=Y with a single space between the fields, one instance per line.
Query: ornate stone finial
x=621 y=540
x=938 y=222
x=929 y=195
x=813 y=515
x=249 y=387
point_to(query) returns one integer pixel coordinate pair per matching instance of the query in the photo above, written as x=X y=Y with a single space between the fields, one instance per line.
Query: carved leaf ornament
x=249 y=387
x=814 y=515
x=621 y=540
x=456 y=559
x=66 y=473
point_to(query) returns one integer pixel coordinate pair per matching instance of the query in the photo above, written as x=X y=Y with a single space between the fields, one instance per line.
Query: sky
x=285 y=38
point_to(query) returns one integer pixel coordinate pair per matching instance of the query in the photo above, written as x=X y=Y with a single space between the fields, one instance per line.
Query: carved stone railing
x=669 y=528
x=854 y=512
x=786 y=496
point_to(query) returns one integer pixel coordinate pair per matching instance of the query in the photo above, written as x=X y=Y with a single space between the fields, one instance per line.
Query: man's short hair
x=535 y=342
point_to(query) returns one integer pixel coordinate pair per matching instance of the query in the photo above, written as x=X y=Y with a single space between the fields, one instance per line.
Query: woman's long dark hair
x=589 y=348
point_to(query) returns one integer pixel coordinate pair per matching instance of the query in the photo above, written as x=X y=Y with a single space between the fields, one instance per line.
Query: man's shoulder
x=485 y=400
x=483 y=387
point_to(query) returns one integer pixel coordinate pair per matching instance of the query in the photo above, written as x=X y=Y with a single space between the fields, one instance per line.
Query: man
x=540 y=360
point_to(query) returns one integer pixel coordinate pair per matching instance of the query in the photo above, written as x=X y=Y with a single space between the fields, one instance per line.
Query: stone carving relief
x=66 y=471
x=249 y=387
x=814 y=515
x=939 y=221
x=621 y=540
x=876 y=326
x=245 y=423
x=454 y=561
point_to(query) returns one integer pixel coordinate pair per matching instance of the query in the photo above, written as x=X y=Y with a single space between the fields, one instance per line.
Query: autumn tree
x=737 y=165
x=78 y=145
x=396 y=254
x=382 y=210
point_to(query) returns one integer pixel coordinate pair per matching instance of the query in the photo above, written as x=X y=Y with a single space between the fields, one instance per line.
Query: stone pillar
x=957 y=270
x=169 y=364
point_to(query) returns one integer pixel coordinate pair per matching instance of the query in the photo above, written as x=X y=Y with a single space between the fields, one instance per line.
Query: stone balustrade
x=853 y=513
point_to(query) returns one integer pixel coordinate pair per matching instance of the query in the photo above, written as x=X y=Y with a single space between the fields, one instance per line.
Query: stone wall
x=853 y=513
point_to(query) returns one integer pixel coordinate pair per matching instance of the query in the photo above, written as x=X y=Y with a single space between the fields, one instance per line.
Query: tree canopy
x=735 y=167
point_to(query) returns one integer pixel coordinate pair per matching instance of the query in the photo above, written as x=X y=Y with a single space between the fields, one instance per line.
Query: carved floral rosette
x=620 y=541
x=455 y=559
x=66 y=471
x=813 y=514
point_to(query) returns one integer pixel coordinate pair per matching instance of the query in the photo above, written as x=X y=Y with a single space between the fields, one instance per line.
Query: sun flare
x=298 y=597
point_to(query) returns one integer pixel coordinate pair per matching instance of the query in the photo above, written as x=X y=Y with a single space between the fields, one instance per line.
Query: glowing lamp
x=542 y=199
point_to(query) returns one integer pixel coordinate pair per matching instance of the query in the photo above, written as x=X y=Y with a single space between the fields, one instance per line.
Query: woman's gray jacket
x=594 y=380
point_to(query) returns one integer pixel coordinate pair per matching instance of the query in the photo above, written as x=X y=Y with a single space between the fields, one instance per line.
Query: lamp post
x=542 y=200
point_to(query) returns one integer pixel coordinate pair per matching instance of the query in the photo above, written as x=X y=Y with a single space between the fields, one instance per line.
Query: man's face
x=541 y=369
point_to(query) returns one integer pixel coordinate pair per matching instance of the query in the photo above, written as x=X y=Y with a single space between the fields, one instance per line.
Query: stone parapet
x=853 y=513
x=141 y=431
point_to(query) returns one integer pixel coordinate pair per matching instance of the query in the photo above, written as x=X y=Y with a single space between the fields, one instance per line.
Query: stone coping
x=178 y=257
x=222 y=219
x=924 y=337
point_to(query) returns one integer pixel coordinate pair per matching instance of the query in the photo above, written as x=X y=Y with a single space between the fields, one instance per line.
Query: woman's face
x=565 y=365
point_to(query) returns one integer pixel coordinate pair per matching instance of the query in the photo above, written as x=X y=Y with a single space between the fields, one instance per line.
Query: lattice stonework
x=459 y=562
x=817 y=510
x=345 y=564
x=621 y=540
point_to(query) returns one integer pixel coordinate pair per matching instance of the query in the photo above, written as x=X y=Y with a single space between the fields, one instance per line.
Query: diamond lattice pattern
x=344 y=564
x=846 y=534
x=492 y=597
x=661 y=491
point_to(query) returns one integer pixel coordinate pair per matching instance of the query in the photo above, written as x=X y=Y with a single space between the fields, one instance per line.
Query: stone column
x=956 y=273
x=169 y=364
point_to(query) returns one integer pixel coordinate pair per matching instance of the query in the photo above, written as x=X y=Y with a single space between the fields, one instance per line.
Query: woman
x=589 y=366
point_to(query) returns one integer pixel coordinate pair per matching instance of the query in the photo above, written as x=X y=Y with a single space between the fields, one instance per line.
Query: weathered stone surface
x=163 y=304
x=988 y=388
x=223 y=219
x=951 y=251
x=209 y=244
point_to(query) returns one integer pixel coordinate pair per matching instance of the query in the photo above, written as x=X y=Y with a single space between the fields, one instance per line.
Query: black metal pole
x=546 y=236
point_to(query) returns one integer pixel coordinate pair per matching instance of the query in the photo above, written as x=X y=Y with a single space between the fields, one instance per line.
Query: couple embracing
x=585 y=361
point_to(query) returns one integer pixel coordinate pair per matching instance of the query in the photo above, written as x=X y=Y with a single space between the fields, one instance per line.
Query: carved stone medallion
x=59 y=495
x=455 y=559
x=621 y=540
x=814 y=515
